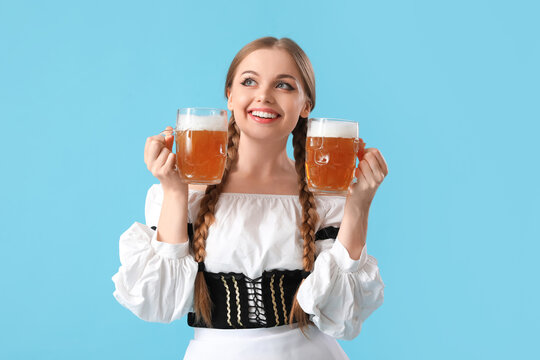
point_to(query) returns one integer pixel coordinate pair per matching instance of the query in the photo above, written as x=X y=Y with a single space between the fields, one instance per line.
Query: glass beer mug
x=331 y=151
x=201 y=145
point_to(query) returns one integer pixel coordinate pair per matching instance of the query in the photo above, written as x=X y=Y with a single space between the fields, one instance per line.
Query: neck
x=262 y=159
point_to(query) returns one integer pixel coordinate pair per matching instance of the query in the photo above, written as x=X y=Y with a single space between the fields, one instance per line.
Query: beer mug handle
x=359 y=146
x=166 y=133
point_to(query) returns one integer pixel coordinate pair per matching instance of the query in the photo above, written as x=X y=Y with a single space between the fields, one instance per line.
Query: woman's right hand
x=161 y=161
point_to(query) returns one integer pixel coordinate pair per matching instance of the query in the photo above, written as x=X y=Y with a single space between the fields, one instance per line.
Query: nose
x=264 y=95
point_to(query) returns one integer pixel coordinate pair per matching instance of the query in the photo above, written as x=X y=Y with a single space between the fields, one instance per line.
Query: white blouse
x=252 y=233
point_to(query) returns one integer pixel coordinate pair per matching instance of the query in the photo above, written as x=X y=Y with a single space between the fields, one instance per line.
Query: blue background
x=447 y=90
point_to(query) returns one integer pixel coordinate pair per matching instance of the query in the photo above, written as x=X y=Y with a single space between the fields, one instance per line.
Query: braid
x=310 y=216
x=205 y=218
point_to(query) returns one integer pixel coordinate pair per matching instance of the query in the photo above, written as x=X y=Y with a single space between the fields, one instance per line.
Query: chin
x=275 y=130
x=264 y=133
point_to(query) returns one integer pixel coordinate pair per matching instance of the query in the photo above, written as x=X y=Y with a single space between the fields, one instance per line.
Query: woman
x=263 y=268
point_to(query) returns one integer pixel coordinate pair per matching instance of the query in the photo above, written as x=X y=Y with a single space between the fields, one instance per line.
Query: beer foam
x=197 y=122
x=336 y=129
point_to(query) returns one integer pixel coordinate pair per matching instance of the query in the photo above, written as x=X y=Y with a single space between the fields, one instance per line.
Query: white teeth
x=263 y=114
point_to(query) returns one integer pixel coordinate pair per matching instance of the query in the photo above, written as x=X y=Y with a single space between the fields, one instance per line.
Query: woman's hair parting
x=205 y=218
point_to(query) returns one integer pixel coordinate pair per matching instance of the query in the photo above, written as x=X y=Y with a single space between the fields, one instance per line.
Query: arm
x=173 y=218
x=353 y=230
x=156 y=279
x=157 y=274
x=370 y=173
x=345 y=286
x=160 y=160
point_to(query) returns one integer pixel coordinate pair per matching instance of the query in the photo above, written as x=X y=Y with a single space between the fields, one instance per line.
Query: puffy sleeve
x=340 y=293
x=155 y=280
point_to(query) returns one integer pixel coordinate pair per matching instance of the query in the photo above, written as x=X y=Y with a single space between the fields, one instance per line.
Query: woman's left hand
x=370 y=173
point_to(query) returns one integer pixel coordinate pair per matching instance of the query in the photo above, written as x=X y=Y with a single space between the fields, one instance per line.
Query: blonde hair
x=205 y=218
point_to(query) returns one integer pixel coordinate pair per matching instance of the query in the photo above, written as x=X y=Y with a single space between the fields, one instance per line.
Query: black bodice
x=271 y=302
x=240 y=302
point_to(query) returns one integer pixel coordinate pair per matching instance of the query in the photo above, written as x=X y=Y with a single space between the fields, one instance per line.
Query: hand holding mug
x=161 y=161
x=370 y=173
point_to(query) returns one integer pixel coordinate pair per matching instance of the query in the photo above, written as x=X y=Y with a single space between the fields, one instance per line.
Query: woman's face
x=266 y=95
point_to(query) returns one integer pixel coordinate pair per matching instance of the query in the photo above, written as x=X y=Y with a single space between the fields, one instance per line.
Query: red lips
x=262 y=120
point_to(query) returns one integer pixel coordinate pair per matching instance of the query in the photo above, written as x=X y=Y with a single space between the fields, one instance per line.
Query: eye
x=248 y=82
x=284 y=85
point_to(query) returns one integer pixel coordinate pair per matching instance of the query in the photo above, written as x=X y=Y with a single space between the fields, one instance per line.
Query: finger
x=373 y=163
x=149 y=140
x=382 y=162
x=146 y=149
x=160 y=137
x=161 y=159
x=169 y=141
x=367 y=172
x=154 y=149
x=379 y=164
x=171 y=162
x=168 y=134
x=361 y=176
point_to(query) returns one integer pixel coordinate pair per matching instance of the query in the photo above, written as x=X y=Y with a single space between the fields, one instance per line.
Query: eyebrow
x=280 y=76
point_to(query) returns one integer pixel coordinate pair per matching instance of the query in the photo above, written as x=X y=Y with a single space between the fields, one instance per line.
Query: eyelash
x=289 y=86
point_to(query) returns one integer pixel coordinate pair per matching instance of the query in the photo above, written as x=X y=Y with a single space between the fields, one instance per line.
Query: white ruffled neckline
x=256 y=195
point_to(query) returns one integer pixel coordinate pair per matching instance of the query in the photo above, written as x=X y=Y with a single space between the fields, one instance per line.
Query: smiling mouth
x=263 y=116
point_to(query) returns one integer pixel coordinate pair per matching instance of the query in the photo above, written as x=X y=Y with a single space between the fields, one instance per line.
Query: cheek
x=294 y=106
x=240 y=101
x=239 y=107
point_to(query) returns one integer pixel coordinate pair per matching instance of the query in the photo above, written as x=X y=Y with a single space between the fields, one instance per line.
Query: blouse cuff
x=344 y=260
x=169 y=251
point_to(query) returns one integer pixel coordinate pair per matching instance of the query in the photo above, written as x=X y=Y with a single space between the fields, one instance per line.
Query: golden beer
x=201 y=145
x=331 y=152
x=201 y=155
